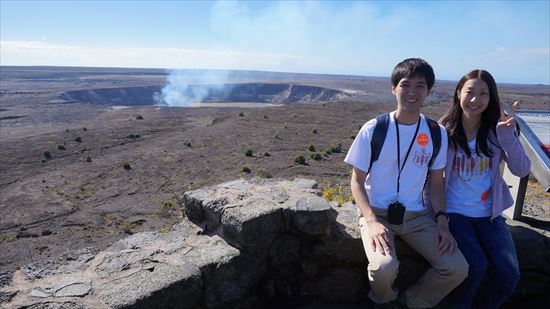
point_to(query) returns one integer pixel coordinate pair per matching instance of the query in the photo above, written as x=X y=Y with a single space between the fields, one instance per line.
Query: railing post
x=517 y=186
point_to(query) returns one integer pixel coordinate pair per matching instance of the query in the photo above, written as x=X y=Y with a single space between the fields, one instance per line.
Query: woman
x=481 y=135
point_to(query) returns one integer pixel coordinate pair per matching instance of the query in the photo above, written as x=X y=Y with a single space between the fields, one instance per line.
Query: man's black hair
x=413 y=67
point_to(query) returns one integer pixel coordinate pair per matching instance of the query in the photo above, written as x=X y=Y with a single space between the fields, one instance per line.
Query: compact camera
x=396 y=212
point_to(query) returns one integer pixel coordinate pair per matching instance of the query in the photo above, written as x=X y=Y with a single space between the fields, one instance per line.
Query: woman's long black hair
x=452 y=120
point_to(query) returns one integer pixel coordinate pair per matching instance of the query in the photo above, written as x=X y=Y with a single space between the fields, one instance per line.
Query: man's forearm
x=437 y=198
x=437 y=194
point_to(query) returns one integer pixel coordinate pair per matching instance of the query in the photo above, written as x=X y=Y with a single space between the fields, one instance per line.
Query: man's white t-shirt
x=469 y=186
x=381 y=182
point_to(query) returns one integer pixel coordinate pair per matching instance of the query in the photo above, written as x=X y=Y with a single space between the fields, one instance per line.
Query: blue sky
x=508 y=38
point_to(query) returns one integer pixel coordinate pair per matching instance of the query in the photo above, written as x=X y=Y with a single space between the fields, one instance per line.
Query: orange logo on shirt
x=422 y=139
x=485 y=196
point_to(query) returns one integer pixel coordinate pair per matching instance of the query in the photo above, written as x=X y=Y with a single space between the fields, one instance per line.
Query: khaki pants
x=418 y=230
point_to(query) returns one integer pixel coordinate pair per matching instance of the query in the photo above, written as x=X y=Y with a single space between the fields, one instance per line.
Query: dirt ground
x=75 y=175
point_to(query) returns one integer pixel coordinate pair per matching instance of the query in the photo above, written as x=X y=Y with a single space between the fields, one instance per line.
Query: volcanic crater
x=208 y=93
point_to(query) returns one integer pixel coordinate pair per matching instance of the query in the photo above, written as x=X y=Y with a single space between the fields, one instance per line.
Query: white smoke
x=185 y=87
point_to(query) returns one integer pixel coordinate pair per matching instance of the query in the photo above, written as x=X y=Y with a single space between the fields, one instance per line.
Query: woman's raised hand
x=508 y=120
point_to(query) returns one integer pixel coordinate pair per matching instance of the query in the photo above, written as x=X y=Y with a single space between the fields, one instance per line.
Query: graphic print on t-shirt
x=469 y=186
x=467 y=168
x=421 y=157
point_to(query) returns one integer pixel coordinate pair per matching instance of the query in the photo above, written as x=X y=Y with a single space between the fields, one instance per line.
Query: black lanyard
x=400 y=169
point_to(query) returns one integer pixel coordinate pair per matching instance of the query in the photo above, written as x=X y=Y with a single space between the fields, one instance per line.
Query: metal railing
x=534 y=135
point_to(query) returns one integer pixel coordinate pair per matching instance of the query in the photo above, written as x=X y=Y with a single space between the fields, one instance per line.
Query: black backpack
x=379 y=135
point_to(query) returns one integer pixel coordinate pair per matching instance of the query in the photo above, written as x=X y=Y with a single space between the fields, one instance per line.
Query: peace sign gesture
x=508 y=120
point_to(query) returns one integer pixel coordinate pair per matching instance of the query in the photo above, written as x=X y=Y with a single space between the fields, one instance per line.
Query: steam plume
x=190 y=86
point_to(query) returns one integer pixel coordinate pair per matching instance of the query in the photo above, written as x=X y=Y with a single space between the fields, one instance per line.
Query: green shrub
x=88 y=159
x=126 y=165
x=311 y=148
x=241 y=114
x=300 y=159
x=261 y=173
x=139 y=117
x=78 y=139
x=86 y=191
x=60 y=147
x=246 y=169
x=248 y=153
x=315 y=131
x=133 y=135
x=167 y=207
x=316 y=156
x=267 y=154
x=334 y=149
x=47 y=155
x=7 y=238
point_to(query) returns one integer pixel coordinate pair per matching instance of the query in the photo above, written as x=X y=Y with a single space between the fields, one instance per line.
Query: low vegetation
x=337 y=194
x=316 y=156
x=333 y=149
x=126 y=165
x=86 y=191
x=7 y=238
x=300 y=159
x=261 y=173
x=168 y=207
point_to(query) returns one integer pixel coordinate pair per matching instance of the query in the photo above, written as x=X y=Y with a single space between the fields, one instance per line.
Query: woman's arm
x=514 y=154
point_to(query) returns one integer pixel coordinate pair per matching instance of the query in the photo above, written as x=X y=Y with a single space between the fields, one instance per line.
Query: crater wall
x=247 y=92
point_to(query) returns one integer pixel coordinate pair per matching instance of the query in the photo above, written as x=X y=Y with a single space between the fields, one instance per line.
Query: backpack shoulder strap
x=435 y=132
x=378 y=137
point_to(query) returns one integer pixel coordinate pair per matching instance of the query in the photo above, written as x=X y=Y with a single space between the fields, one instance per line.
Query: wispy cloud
x=364 y=38
x=44 y=53
x=504 y=51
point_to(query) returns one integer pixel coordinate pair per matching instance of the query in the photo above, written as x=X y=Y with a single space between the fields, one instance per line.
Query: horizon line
x=238 y=70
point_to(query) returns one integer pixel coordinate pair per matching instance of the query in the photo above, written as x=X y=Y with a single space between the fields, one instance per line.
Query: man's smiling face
x=411 y=92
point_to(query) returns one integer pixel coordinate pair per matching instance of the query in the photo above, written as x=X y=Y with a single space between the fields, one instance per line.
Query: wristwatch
x=441 y=213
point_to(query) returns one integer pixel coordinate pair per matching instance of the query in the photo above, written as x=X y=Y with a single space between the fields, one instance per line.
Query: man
x=388 y=194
